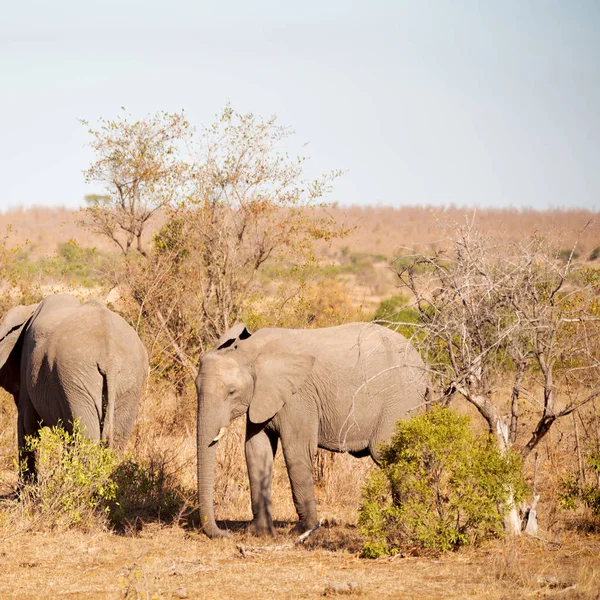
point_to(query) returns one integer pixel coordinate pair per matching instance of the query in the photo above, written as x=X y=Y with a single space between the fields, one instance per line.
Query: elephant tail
x=107 y=423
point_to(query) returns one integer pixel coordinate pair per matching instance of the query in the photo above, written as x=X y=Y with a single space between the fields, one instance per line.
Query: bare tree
x=491 y=310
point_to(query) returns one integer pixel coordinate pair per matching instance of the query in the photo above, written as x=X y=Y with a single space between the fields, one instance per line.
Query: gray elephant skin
x=341 y=388
x=62 y=360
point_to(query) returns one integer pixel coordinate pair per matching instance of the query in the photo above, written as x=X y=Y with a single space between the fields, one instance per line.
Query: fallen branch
x=304 y=536
x=246 y=551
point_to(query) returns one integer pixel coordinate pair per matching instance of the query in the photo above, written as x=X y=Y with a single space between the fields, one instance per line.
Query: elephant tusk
x=220 y=434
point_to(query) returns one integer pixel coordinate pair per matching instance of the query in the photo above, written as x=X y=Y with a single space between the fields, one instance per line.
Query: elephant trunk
x=207 y=449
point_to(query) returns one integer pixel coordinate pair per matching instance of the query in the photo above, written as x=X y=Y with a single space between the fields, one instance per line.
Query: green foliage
x=565 y=255
x=572 y=492
x=569 y=492
x=81 y=483
x=595 y=253
x=591 y=277
x=351 y=263
x=72 y=262
x=394 y=310
x=74 y=478
x=80 y=264
x=96 y=199
x=171 y=239
x=365 y=258
x=402 y=262
x=439 y=487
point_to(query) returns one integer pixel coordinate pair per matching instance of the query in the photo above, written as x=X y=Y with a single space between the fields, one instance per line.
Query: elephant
x=340 y=388
x=62 y=361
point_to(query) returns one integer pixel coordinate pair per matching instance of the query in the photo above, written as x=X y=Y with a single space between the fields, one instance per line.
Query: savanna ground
x=169 y=562
x=152 y=556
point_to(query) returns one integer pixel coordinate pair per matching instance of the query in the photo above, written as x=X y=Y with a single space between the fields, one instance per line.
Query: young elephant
x=340 y=388
x=62 y=360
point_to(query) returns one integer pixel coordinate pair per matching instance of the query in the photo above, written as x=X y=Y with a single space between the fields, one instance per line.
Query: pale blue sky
x=491 y=103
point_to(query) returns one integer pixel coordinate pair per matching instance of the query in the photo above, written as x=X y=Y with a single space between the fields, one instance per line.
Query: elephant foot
x=305 y=525
x=216 y=532
x=262 y=528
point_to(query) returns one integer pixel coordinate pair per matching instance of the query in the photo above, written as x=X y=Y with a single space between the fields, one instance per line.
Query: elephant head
x=241 y=376
x=11 y=328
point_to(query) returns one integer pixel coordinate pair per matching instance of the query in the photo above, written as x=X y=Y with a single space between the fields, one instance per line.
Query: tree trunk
x=500 y=429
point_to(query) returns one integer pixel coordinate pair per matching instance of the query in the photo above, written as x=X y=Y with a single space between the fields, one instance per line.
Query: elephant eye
x=230 y=390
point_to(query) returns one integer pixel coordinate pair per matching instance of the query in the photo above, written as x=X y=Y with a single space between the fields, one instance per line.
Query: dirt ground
x=171 y=562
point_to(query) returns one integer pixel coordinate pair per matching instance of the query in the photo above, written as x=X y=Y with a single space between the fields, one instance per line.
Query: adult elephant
x=340 y=388
x=63 y=360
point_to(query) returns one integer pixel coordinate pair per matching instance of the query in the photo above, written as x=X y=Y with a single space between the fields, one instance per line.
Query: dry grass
x=379 y=230
x=384 y=230
x=170 y=562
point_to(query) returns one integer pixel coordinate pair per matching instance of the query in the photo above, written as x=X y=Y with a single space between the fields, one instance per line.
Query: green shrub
x=78 y=263
x=439 y=487
x=81 y=483
x=394 y=310
x=572 y=492
x=565 y=255
x=74 y=478
x=595 y=253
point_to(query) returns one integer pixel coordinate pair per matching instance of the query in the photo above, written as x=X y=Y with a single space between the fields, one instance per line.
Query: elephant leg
x=383 y=434
x=374 y=449
x=299 y=457
x=28 y=423
x=261 y=447
x=126 y=408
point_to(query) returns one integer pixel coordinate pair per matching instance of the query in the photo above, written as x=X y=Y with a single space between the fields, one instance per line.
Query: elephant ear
x=277 y=377
x=11 y=327
x=238 y=332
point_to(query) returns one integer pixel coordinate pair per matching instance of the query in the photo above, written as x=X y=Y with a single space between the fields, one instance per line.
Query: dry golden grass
x=384 y=230
x=378 y=230
x=170 y=562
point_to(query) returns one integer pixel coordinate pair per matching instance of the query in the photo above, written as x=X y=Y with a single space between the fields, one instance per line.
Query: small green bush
x=572 y=492
x=79 y=264
x=74 y=482
x=565 y=255
x=439 y=487
x=82 y=483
